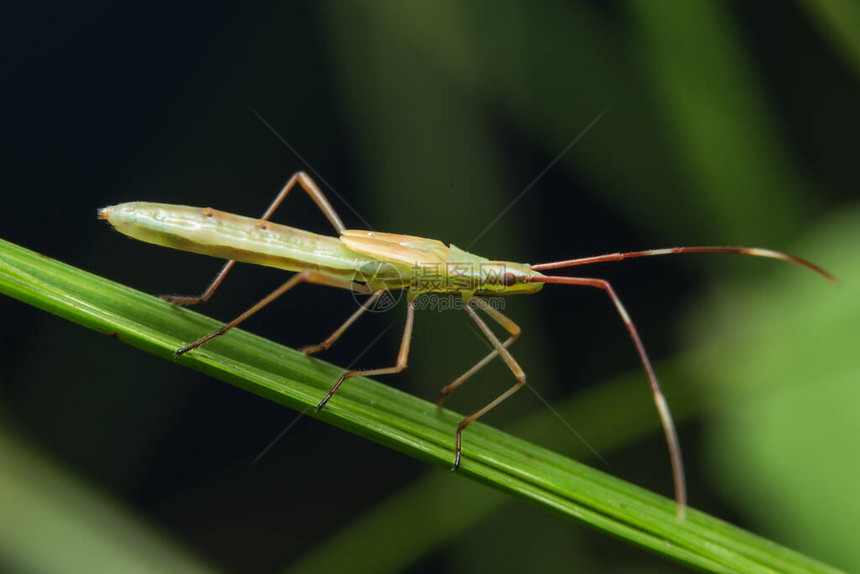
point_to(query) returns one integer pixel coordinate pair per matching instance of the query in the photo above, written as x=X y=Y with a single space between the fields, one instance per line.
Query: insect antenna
x=754 y=251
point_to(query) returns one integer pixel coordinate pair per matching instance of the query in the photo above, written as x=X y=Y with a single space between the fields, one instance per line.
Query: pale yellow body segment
x=379 y=260
x=246 y=239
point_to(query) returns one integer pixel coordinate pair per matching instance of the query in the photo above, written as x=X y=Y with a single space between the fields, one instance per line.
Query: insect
x=376 y=263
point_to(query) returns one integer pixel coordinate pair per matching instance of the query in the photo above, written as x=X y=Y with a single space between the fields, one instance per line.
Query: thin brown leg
x=311 y=349
x=512 y=365
x=659 y=398
x=304 y=276
x=502 y=320
x=401 y=357
x=186 y=300
x=312 y=190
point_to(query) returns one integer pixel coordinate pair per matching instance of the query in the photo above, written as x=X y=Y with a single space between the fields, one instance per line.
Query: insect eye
x=509 y=279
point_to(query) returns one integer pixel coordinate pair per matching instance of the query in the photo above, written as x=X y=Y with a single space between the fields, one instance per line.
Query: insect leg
x=311 y=349
x=502 y=320
x=512 y=365
x=312 y=190
x=203 y=297
x=304 y=276
x=401 y=357
x=659 y=398
x=316 y=194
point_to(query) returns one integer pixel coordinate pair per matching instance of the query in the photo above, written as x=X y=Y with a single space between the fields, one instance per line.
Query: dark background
x=724 y=123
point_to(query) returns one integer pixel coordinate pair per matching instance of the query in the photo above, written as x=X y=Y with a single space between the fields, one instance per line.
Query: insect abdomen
x=227 y=236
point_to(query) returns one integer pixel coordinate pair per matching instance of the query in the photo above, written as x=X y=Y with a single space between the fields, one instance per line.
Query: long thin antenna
x=673 y=250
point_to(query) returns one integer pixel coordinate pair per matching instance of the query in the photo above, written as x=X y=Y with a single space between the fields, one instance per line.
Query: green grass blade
x=393 y=418
x=384 y=538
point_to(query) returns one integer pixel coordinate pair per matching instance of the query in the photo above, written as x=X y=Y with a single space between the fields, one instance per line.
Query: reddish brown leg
x=512 y=365
x=659 y=399
x=311 y=349
x=186 y=300
x=502 y=320
x=401 y=357
x=304 y=276
x=311 y=188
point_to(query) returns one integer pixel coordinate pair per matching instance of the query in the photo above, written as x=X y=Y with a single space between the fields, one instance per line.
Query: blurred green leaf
x=672 y=148
x=728 y=142
x=785 y=368
x=839 y=22
x=549 y=99
x=53 y=523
